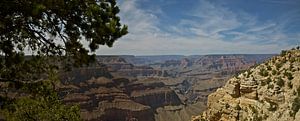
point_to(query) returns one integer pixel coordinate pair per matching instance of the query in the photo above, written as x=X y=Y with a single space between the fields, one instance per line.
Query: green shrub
x=263 y=72
x=296 y=103
x=45 y=107
x=283 y=53
x=265 y=82
x=269 y=68
x=280 y=82
x=274 y=72
x=273 y=106
x=292 y=60
x=295 y=106
x=288 y=75
x=270 y=86
x=278 y=65
x=274 y=60
x=254 y=110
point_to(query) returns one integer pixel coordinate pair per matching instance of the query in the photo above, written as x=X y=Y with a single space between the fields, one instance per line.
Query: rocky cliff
x=269 y=91
x=152 y=92
x=118 y=99
x=118 y=66
x=104 y=99
x=183 y=63
x=224 y=62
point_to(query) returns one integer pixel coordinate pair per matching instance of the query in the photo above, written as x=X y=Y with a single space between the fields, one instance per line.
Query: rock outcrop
x=118 y=66
x=224 y=62
x=153 y=93
x=104 y=99
x=85 y=73
x=118 y=99
x=269 y=91
x=183 y=63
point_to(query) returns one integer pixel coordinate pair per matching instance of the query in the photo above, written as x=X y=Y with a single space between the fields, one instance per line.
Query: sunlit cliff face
x=269 y=91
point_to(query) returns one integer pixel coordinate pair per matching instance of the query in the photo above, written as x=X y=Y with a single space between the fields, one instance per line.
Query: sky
x=199 y=27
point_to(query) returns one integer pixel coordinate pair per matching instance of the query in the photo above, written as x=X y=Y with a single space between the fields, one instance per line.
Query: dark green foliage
x=273 y=60
x=273 y=106
x=288 y=75
x=54 y=33
x=292 y=59
x=283 y=53
x=284 y=60
x=278 y=65
x=39 y=101
x=256 y=116
x=35 y=24
x=254 y=110
x=265 y=82
x=270 y=86
x=274 y=72
x=44 y=106
x=296 y=104
x=280 y=82
x=250 y=72
x=263 y=72
x=269 y=68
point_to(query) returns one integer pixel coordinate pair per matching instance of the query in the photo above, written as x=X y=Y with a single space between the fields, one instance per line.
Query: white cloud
x=212 y=27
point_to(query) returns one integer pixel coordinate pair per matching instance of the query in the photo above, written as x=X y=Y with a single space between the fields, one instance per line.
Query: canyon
x=150 y=88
